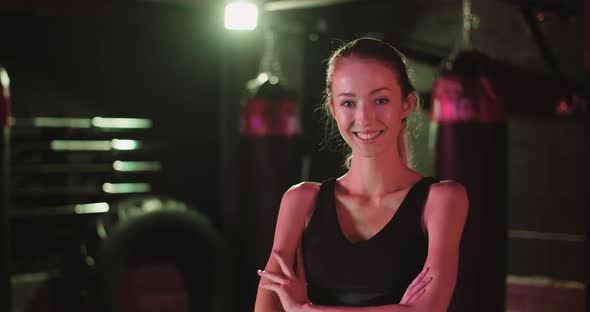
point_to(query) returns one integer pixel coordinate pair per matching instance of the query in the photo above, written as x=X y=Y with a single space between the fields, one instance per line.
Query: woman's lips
x=367 y=136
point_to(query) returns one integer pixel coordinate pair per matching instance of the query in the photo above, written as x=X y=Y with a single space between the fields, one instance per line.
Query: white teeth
x=368 y=135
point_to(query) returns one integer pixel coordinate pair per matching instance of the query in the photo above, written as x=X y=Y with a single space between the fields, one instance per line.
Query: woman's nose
x=365 y=114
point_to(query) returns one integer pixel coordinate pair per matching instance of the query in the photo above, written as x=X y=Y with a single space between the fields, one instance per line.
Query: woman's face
x=367 y=105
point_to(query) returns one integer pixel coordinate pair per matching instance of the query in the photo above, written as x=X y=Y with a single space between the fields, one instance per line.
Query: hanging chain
x=270 y=63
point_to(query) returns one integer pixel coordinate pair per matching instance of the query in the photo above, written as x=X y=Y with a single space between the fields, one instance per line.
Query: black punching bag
x=469 y=120
x=270 y=162
x=5 y=292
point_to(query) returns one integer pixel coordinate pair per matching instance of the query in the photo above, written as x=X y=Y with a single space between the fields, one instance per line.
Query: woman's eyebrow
x=379 y=89
x=370 y=93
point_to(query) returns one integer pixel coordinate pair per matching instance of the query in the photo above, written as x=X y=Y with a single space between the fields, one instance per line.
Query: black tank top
x=367 y=273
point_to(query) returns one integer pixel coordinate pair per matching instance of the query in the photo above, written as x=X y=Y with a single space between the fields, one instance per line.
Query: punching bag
x=270 y=162
x=468 y=117
x=5 y=291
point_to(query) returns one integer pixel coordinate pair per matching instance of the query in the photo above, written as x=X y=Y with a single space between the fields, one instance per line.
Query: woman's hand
x=289 y=286
x=416 y=288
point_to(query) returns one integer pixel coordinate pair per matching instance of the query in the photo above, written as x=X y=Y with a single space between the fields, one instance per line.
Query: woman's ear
x=408 y=104
x=330 y=102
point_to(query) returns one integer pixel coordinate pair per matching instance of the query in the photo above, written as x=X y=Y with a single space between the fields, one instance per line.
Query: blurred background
x=146 y=144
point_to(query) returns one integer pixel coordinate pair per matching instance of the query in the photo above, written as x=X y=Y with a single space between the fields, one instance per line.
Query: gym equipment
x=270 y=162
x=5 y=105
x=469 y=138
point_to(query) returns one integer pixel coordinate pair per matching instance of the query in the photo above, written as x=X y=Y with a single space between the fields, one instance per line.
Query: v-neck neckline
x=383 y=229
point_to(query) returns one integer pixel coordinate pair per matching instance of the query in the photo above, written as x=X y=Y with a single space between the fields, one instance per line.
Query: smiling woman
x=367 y=101
x=384 y=68
x=382 y=237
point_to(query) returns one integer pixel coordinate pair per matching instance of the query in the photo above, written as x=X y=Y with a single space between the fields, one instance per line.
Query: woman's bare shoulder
x=303 y=190
x=296 y=206
x=299 y=200
x=448 y=188
x=447 y=196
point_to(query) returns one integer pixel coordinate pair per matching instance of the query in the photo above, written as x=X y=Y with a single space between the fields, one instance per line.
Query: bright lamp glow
x=241 y=16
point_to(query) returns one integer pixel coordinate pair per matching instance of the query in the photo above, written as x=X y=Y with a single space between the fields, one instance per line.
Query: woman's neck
x=378 y=175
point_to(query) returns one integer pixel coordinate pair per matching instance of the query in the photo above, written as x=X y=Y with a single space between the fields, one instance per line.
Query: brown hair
x=385 y=53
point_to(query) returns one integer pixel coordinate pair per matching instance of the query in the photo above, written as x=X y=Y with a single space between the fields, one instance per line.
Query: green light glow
x=49 y=122
x=241 y=16
x=91 y=208
x=119 y=188
x=124 y=123
x=130 y=166
x=125 y=145
x=4 y=79
x=72 y=145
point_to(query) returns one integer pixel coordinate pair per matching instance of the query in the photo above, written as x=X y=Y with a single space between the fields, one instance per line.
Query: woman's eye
x=382 y=101
x=347 y=104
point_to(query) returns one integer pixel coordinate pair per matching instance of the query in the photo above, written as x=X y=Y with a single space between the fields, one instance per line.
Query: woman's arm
x=444 y=216
x=296 y=206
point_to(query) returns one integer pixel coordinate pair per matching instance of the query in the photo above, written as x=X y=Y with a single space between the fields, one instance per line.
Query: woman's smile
x=367 y=136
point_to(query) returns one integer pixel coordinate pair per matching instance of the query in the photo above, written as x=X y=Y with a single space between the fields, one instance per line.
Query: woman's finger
x=416 y=295
x=422 y=284
x=286 y=270
x=406 y=295
x=271 y=287
x=277 y=289
x=417 y=285
x=403 y=301
x=418 y=290
x=419 y=277
x=274 y=277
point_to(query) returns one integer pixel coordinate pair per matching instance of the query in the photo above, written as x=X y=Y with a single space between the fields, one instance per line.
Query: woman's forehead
x=362 y=73
x=354 y=60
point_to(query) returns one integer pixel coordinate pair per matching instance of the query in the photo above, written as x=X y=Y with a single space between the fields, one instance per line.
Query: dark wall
x=147 y=61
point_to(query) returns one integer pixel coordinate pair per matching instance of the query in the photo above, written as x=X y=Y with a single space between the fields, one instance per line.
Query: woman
x=381 y=237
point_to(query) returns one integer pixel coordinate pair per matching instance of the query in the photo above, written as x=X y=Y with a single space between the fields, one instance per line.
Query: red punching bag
x=270 y=162
x=469 y=116
x=5 y=292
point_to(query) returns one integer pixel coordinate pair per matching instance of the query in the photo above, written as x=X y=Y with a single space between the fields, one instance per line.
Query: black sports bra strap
x=423 y=189
x=322 y=201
